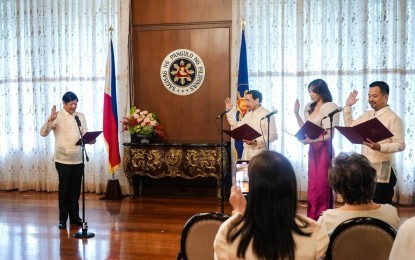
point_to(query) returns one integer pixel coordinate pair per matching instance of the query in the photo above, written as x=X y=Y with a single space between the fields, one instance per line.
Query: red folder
x=244 y=132
x=372 y=129
x=88 y=137
x=310 y=129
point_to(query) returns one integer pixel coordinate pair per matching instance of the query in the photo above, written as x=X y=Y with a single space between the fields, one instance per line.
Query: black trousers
x=384 y=191
x=70 y=177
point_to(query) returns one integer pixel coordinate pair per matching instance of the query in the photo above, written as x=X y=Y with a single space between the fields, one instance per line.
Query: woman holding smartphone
x=266 y=224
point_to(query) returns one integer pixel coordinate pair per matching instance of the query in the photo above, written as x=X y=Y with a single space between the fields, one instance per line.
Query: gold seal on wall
x=182 y=72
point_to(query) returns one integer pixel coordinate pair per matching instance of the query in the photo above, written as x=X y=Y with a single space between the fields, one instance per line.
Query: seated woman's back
x=307 y=247
x=331 y=218
x=354 y=178
x=266 y=225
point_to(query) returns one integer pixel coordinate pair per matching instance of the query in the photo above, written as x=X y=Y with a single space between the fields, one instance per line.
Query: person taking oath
x=380 y=154
x=319 y=195
x=253 y=117
x=68 y=156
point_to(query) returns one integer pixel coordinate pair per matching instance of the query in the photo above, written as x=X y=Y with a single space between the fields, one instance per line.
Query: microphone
x=270 y=114
x=78 y=121
x=331 y=114
x=223 y=113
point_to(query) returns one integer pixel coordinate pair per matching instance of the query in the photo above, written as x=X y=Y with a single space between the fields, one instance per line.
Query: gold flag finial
x=243 y=24
x=111 y=30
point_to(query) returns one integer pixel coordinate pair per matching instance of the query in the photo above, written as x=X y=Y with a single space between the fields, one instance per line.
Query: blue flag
x=243 y=87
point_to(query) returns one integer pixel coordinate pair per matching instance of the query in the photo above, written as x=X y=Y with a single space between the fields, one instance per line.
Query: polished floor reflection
x=141 y=228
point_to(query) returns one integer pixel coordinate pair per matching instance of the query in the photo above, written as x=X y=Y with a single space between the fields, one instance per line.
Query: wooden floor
x=141 y=228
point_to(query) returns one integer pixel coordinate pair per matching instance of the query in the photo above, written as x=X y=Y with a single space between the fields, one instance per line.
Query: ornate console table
x=185 y=160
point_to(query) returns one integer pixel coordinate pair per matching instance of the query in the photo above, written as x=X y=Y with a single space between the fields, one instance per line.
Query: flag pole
x=242 y=88
x=110 y=125
x=111 y=29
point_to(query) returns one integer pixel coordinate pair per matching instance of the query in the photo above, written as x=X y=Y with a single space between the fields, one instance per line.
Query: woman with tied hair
x=353 y=177
x=319 y=195
x=266 y=225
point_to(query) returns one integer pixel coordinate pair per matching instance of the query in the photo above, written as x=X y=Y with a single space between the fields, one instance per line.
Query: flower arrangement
x=142 y=122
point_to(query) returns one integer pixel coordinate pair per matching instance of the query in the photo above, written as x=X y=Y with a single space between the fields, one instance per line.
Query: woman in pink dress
x=319 y=195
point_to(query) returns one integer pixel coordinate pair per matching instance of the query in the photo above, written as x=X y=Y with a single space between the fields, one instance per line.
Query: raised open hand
x=228 y=103
x=352 y=99
x=53 y=114
x=296 y=106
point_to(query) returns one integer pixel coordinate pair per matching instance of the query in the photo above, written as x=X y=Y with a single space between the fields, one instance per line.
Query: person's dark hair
x=271 y=209
x=319 y=87
x=353 y=177
x=69 y=96
x=255 y=94
x=384 y=88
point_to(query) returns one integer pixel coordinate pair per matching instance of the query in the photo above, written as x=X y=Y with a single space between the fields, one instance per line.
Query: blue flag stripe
x=243 y=86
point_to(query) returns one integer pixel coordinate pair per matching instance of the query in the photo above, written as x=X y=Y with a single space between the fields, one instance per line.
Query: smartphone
x=242 y=175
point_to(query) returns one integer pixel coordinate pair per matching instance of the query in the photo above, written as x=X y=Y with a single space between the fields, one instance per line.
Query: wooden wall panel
x=191 y=117
x=150 y=12
x=202 y=26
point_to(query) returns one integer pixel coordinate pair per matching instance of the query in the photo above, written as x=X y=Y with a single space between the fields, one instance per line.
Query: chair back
x=361 y=238
x=198 y=235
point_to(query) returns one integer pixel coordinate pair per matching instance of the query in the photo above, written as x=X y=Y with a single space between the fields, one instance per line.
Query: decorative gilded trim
x=188 y=162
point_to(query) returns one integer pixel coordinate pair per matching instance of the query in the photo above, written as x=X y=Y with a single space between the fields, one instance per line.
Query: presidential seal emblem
x=182 y=72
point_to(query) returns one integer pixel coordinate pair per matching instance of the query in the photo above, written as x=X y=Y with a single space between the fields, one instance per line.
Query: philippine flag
x=110 y=125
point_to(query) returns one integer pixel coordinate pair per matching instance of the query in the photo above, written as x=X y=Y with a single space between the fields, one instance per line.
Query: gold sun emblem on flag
x=241 y=105
x=182 y=72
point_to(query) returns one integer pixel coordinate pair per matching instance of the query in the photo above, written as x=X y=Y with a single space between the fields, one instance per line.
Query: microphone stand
x=84 y=233
x=222 y=189
x=331 y=156
x=268 y=119
x=331 y=138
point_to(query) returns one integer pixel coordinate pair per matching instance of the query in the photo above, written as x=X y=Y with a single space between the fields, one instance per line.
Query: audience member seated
x=404 y=245
x=267 y=225
x=353 y=177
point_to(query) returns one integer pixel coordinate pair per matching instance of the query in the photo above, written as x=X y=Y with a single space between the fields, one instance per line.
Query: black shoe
x=77 y=222
x=62 y=224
